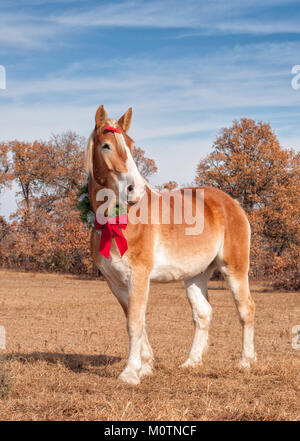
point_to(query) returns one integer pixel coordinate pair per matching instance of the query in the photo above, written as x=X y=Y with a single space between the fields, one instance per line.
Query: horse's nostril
x=130 y=188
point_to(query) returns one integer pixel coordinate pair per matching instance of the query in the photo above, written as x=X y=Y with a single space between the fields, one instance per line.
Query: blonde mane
x=89 y=155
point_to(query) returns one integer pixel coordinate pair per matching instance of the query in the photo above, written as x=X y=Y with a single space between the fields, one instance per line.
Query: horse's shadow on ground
x=74 y=362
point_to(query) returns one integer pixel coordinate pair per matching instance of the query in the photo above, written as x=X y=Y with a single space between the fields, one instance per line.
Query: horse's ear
x=100 y=117
x=125 y=120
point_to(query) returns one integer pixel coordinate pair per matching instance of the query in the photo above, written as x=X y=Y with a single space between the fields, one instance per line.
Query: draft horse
x=163 y=252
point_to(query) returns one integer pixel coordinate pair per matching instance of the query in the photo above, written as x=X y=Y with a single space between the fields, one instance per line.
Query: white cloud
x=26 y=31
x=170 y=97
x=289 y=26
x=37 y=30
x=248 y=76
x=204 y=18
x=208 y=16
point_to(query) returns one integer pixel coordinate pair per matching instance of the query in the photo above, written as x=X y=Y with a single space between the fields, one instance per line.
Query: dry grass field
x=67 y=343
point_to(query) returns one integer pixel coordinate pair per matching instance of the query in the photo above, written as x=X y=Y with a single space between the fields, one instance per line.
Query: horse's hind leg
x=196 y=290
x=233 y=262
x=239 y=286
x=246 y=309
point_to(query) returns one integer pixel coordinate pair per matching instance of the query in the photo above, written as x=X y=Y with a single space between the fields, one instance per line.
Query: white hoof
x=146 y=369
x=129 y=377
x=246 y=362
x=191 y=363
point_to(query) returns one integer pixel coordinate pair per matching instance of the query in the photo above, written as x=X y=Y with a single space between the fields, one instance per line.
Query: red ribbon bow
x=112 y=229
x=112 y=129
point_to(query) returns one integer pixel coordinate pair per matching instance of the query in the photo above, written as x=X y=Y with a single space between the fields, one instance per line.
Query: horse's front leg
x=137 y=303
x=146 y=355
x=121 y=293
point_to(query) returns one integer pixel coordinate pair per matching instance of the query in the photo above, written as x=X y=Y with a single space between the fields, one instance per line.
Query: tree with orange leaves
x=171 y=185
x=248 y=163
x=146 y=166
x=48 y=170
x=5 y=179
x=48 y=175
x=5 y=176
x=29 y=166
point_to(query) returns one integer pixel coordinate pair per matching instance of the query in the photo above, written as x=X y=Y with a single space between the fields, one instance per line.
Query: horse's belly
x=168 y=269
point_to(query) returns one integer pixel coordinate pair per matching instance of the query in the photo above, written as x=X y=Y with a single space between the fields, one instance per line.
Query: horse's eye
x=106 y=147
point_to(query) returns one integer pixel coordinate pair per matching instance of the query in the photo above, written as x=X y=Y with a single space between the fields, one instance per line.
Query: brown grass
x=66 y=344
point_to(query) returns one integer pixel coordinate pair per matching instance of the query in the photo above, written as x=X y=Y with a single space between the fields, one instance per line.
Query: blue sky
x=187 y=69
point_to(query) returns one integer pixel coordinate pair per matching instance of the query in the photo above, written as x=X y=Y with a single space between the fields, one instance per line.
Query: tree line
x=45 y=233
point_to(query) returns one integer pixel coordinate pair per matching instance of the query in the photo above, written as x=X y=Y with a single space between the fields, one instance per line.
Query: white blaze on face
x=133 y=176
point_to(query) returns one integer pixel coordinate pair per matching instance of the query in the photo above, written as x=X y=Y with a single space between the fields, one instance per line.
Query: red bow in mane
x=112 y=129
x=112 y=229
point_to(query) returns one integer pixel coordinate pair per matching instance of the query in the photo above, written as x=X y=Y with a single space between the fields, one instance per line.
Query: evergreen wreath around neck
x=84 y=206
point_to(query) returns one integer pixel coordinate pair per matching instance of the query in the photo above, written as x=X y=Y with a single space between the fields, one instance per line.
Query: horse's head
x=109 y=157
